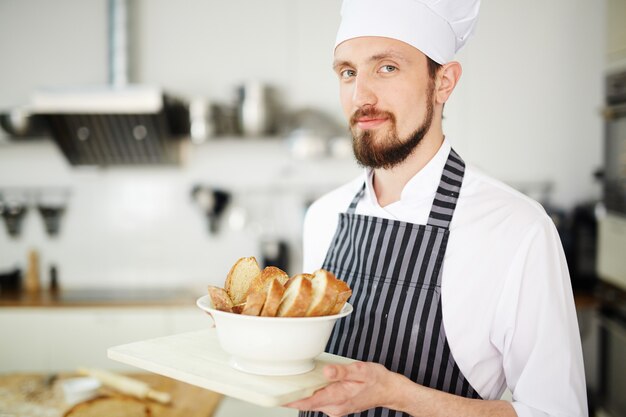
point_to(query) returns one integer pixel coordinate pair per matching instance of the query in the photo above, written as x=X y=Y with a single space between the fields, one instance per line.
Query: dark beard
x=391 y=150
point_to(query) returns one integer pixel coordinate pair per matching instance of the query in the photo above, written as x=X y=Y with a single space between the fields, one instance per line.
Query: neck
x=389 y=183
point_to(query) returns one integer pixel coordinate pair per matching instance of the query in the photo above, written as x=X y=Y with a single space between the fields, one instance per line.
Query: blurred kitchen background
x=146 y=145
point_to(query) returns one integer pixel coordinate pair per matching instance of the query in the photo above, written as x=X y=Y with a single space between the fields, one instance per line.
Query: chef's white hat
x=438 y=28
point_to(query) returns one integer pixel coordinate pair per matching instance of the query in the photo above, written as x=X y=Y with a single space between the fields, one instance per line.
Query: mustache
x=371 y=112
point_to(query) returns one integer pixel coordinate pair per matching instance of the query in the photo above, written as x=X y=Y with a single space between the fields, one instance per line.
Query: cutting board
x=197 y=358
x=38 y=394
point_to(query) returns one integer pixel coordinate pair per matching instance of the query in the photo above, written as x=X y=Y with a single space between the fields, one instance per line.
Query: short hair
x=433 y=67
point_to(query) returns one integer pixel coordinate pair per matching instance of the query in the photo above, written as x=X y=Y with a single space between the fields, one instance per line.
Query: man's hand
x=364 y=385
x=355 y=387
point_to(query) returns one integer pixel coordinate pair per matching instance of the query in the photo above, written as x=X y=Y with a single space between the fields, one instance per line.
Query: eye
x=346 y=73
x=388 y=68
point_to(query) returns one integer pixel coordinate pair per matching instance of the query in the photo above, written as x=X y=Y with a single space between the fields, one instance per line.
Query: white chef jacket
x=507 y=301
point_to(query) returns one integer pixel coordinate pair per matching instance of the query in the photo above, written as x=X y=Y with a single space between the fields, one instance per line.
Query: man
x=460 y=286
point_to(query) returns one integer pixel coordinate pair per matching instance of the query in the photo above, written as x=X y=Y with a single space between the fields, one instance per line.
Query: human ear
x=447 y=78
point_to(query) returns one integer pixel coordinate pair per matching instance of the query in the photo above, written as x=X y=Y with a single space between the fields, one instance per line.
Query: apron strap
x=355 y=200
x=446 y=196
x=448 y=191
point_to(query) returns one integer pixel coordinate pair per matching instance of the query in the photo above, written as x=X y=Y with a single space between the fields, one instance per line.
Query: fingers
x=357 y=371
x=344 y=379
x=333 y=394
x=298 y=405
x=306 y=403
x=350 y=389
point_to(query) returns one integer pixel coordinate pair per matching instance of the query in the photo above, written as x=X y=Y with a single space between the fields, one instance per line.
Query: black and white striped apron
x=394 y=269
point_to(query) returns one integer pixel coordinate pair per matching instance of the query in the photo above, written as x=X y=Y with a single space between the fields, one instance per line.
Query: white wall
x=529 y=102
x=139 y=227
x=527 y=110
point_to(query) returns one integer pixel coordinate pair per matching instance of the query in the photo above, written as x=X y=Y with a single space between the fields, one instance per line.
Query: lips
x=370 y=123
x=370 y=118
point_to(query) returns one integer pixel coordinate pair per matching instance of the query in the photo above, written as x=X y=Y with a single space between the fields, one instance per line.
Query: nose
x=363 y=94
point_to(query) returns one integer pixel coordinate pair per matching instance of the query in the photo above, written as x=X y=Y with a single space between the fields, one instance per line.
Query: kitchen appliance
x=275 y=252
x=51 y=204
x=612 y=346
x=580 y=245
x=611 y=263
x=115 y=124
x=212 y=202
x=13 y=212
x=612 y=226
x=19 y=122
x=256 y=109
x=10 y=281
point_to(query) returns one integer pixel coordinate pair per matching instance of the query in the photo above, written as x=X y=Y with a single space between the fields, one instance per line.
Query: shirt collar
x=422 y=186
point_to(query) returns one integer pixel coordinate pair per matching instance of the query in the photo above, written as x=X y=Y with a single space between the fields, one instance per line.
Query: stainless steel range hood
x=114 y=125
x=118 y=123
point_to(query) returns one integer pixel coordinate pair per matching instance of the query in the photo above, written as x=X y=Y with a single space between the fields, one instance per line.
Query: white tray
x=197 y=358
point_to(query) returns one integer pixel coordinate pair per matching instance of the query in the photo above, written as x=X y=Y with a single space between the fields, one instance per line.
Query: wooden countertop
x=101 y=297
x=39 y=394
x=118 y=297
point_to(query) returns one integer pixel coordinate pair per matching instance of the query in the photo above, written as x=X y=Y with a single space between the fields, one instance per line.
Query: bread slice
x=240 y=277
x=324 y=294
x=118 y=406
x=220 y=299
x=254 y=304
x=275 y=292
x=288 y=282
x=262 y=281
x=283 y=278
x=238 y=308
x=343 y=293
x=296 y=298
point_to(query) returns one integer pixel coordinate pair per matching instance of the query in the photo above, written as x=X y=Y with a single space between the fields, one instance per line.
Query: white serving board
x=197 y=359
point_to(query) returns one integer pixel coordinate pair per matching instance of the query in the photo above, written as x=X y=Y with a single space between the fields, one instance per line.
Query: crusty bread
x=296 y=298
x=324 y=294
x=283 y=279
x=343 y=293
x=275 y=292
x=118 y=406
x=288 y=282
x=263 y=280
x=220 y=299
x=271 y=292
x=238 y=308
x=254 y=304
x=240 y=277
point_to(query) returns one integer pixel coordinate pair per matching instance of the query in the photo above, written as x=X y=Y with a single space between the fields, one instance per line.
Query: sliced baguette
x=275 y=292
x=263 y=280
x=343 y=293
x=220 y=299
x=239 y=278
x=288 y=282
x=238 y=308
x=254 y=304
x=112 y=405
x=324 y=294
x=296 y=298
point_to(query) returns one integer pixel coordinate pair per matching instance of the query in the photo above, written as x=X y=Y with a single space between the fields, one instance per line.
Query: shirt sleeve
x=537 y=330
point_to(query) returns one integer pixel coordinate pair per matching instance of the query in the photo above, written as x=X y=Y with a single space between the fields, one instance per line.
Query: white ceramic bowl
x=272 y=345
x=80 y=389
